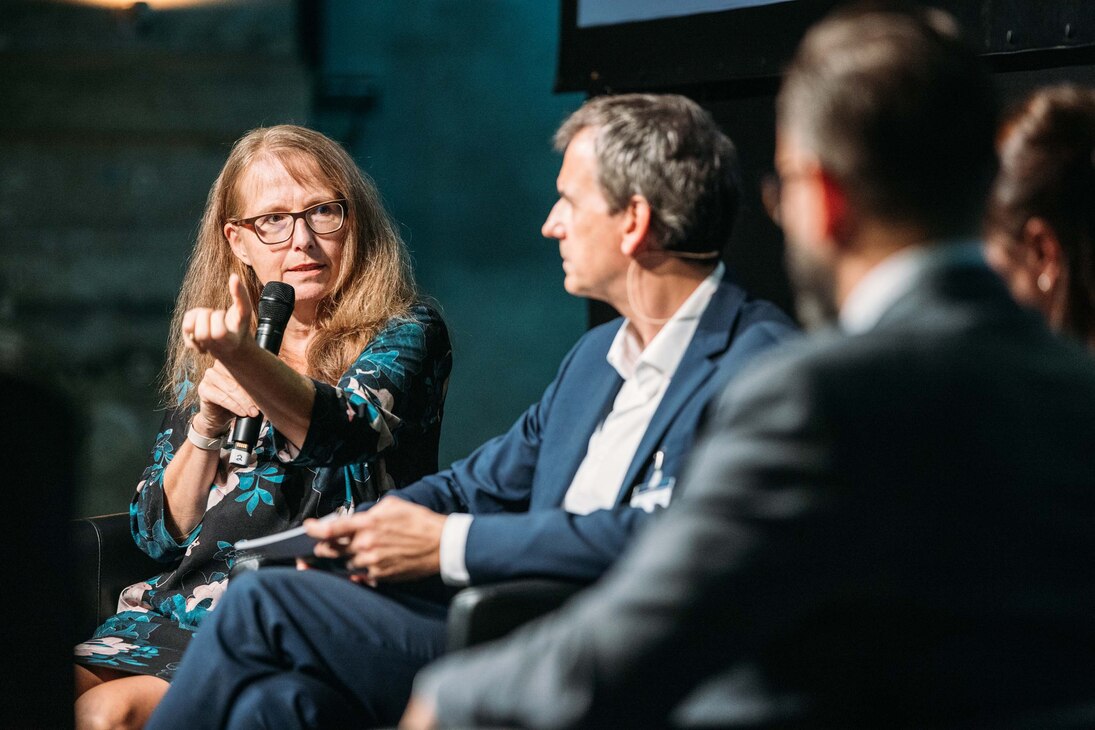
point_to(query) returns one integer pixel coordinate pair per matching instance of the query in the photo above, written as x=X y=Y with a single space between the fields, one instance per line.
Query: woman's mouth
x=304 y=268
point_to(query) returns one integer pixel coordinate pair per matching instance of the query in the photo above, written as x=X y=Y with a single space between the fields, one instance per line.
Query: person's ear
x=1044 y=254
x=232 y=233
x=835 y=215
x=636 y=226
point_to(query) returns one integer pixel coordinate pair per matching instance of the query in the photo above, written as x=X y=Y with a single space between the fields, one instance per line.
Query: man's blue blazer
x=515 y=483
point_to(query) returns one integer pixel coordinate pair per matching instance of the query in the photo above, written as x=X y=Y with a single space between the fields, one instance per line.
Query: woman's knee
x=122 y=704
x=100 y=711
x=92 y=715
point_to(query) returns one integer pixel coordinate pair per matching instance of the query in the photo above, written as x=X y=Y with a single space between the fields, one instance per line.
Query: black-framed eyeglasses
x=277 y=227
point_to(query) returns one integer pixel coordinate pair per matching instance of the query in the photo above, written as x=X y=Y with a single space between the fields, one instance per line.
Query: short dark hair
x=668 y=149
x=900 y=111
x=1047 y=169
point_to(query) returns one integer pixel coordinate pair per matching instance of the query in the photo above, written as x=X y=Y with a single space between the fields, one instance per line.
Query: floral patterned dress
x=376 y=431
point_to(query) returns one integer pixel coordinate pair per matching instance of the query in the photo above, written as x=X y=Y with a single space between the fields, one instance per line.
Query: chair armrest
x=483 y=613
x=107 y=561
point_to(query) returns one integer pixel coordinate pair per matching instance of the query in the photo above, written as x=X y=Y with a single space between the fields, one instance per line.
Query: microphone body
x=275 y=308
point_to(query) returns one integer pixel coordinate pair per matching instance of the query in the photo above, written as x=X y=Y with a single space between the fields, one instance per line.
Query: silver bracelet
x=204 y=442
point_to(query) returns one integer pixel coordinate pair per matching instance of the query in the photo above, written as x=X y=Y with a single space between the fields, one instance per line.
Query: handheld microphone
x=275 y=307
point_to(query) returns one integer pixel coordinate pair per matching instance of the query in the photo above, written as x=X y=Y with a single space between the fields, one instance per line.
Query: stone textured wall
x=115 y=124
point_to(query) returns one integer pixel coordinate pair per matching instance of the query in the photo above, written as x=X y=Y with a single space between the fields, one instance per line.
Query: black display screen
x=614 y=45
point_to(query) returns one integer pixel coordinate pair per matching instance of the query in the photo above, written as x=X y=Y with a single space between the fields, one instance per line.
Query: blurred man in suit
x=889 y=525
x=648 y=193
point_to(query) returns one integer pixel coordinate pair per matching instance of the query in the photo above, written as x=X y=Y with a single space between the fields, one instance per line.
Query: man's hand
x=419 y=715
x=394 y=540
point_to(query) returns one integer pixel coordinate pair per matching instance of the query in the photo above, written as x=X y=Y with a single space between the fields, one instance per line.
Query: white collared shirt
x=895 y=276
x=646 y=373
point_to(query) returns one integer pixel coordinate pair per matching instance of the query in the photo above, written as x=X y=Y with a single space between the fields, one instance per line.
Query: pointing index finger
x=240 y=310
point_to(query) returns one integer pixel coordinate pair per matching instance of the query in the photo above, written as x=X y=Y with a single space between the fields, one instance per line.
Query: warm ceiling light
x=154 y=4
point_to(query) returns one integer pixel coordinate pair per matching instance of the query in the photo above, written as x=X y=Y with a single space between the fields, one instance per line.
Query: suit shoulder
x=830 y=363
x=758 y=326
x=749 y=311
x=802 y=363
x=764 y=324
x=598 y=338
x=761 y=312
x=591 y=347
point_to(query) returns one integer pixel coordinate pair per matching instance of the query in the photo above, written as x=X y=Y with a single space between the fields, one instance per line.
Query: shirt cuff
x=454 y=541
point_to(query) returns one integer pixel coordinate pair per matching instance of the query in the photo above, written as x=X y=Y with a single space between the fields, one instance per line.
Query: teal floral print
x=251 y=490
x=122 y=641
x=376 y=429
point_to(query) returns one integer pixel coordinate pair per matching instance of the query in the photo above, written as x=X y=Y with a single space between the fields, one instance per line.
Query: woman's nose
x=302 y=234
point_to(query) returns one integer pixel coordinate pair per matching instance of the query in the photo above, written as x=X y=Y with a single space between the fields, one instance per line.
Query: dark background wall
x=458 y=138
x=117 y=120
x=115 y=123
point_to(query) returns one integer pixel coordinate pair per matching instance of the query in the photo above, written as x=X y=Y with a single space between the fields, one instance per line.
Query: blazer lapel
x=584 y=414
x=712 y=337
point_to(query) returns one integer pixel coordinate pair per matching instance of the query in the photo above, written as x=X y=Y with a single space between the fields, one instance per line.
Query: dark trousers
x=303 y=649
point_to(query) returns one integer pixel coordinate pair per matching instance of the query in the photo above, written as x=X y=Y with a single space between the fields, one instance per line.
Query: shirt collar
x=897 y=275
x=664 y=352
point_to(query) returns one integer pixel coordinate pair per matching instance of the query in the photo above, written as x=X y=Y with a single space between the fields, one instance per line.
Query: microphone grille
x=276 y=302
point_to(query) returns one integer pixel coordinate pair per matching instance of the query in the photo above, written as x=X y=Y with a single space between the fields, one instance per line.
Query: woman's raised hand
x=220 y=332
x=221 y=399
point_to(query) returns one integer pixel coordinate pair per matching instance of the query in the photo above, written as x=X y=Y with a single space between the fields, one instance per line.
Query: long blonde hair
x=375 y=283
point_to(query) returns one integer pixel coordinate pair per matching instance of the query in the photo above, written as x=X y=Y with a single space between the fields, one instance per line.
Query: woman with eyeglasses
x=352 y=404
x=1040 y=232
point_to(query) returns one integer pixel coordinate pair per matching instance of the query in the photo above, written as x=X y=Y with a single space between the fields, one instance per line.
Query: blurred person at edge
x=352 y=405
x=1040 y=225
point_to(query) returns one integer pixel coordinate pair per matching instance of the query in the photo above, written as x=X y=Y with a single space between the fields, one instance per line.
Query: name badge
x=657 y=491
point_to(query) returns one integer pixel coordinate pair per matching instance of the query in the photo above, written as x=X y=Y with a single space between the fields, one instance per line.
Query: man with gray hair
x=648 y=192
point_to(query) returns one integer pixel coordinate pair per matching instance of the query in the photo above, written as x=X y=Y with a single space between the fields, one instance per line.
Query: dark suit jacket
x=890 y=529
x=515 y=483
